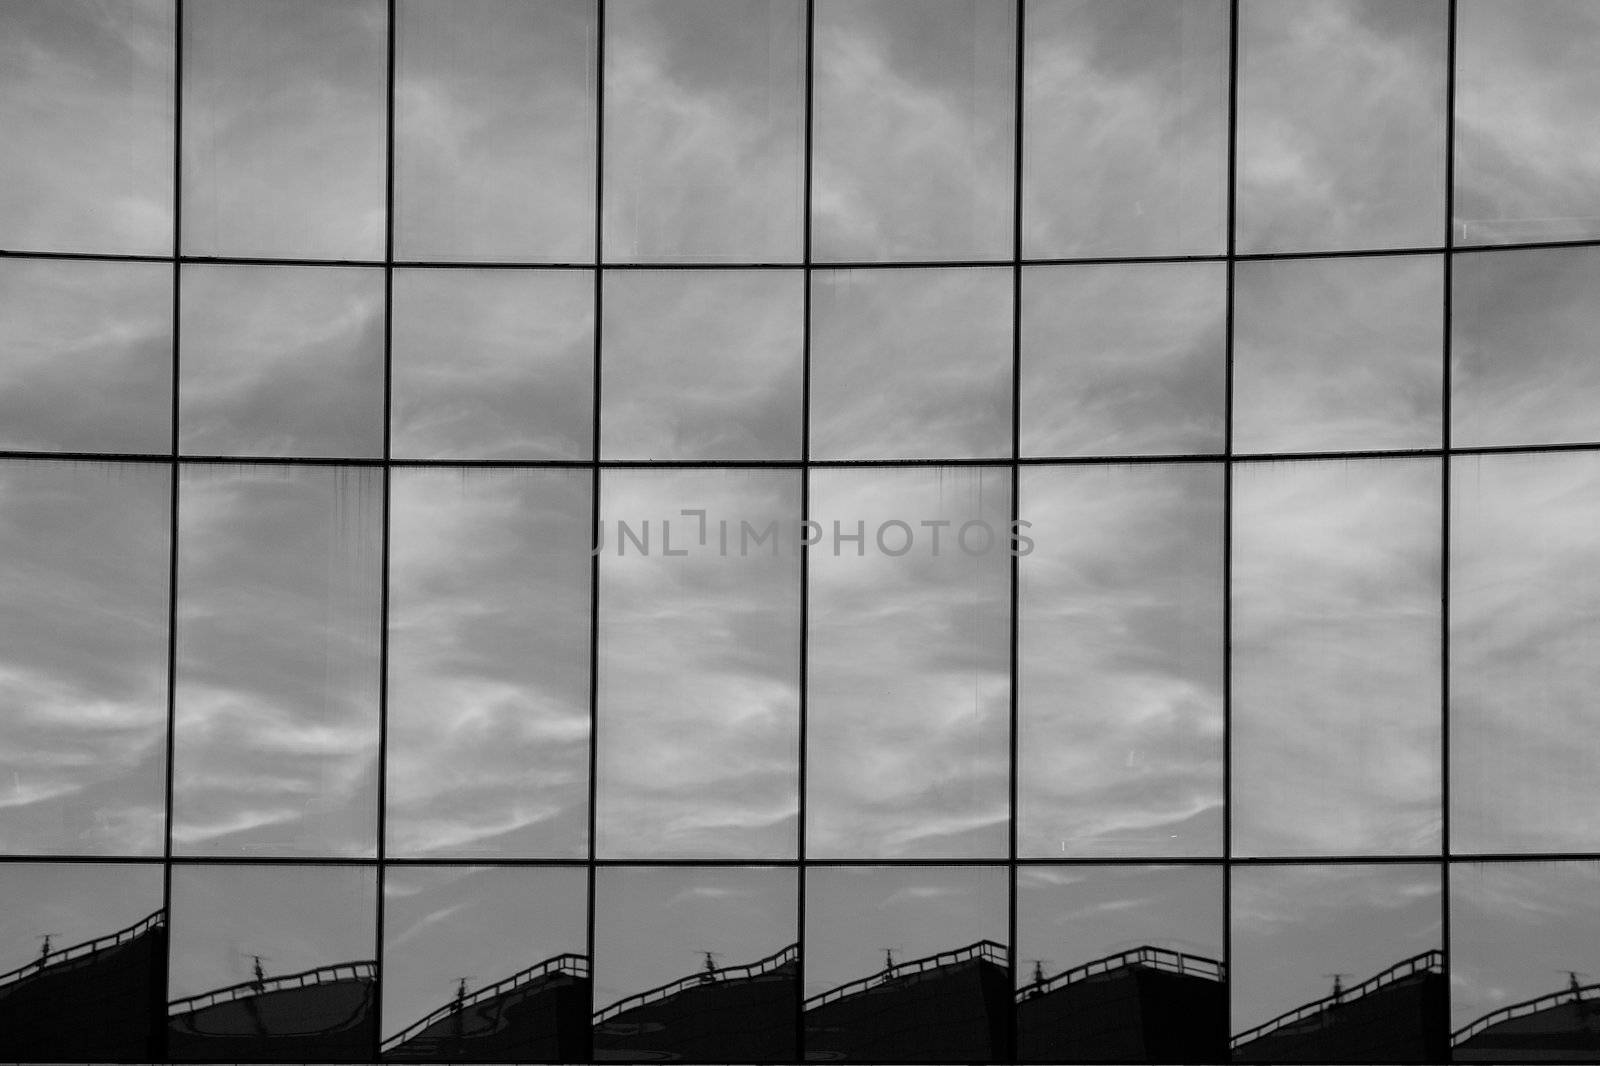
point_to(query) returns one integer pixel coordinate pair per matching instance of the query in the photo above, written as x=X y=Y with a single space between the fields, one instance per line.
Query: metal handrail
x=567 y=962
x=1532 y=1006
x=726 y=973
x=88 y=947
x=1147 y=955
x=983 y=949
x=343 y=971
x=1428 y=961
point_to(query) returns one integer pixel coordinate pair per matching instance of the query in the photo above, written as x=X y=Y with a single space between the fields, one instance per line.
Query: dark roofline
x=87 y=947
x=1149 y=955
x=366 y=969
x=987 y=950
x=1427 y=962
x=567 y=962
x=1581 y=994
x=695 y=980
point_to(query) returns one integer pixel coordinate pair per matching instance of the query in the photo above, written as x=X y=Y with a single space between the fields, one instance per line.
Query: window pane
x=1338 y=354
x=1304 y=936
x=1341 y=124
x=495 y=130
x=705 y=129
x=1527 y=90
x=658 y=928
x=1126 y=131
x=911 y=364
x=702 y=364
x=88 y=356
x=699 y=664
x=86 y=100
x=277 y=700
x=1121 y=964
x=263 y=926
x=283 y=128
x=452 y=934
x=1520 y=932
x=47 y=979
x=83 y=657
x=281 y=360
x=493 y=364
x=1124 y=359
x=913 y=103
x=909 y=668
x=1524 y=581
x=1120 y=661
x=906 y=964
x=1523 y=348
x=489 y=663
x=1336 y=731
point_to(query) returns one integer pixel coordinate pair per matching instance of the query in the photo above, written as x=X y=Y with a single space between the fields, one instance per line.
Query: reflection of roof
x=87 y=948
x=568 y=963
x=1147 y=956
x=344 y=971
x=987 y=950
x=697 y=980
x=1526 y=1009
x=1427 y=962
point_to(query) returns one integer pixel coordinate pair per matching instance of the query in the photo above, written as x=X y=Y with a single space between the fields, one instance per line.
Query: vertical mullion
x=805 y=550
x=594 y=479
x=1021 y=8
x=1444 y=504
x=1227 y=515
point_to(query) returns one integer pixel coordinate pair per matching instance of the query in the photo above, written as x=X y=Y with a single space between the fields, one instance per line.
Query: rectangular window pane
x=278 y=632
x=705 y=130
x=489 y=663
x=283 y=128
x=495 y=130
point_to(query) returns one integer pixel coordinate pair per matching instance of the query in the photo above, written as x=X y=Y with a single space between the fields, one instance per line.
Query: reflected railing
x=1177 y=962
x=704 y=977
x=987 y=950
x=1427 y=962
x=1579 y=994
x=88 y=947
x=569 y=963
x=344 y=971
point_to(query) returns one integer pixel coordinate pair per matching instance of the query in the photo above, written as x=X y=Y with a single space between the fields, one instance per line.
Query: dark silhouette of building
x=1144 y=1005
x=93 y=1002
x=328 y=1014
x=733 y=1014
x=538 y=1015
x=951 y=1007
x=1560 y=1026
x=1396 y=1016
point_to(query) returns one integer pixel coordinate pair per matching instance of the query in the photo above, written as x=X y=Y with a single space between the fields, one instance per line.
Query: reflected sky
x=1338 y=354
x=1341 y=124
x=702 y=364
x=489 y=663
x=83 y=657
x=69 y=323
x=86 y=100
x=1070 y=915
x=909 y=697
x=283 y=128
x=277 y=699
x=654 y=925
x=911 y=364
x=1124 y=359
x=1293 y=926
x=281 y=360
x=494 y=130
x=699 y=668
x=855 y=913
x=73 y=903
x=1336 y=657
x=1527 y=90
x=295 y=917
x=1523 y=347
x=1524 y=584
x=1120 y=662
x=913 y=105
x=1516 y=930
x=493 y=364
x=705 y=126
x=481 y=923
x=1126 y=129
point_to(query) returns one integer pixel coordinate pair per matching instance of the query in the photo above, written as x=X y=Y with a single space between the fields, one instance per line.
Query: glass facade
x=799 y=530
